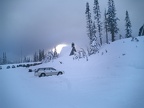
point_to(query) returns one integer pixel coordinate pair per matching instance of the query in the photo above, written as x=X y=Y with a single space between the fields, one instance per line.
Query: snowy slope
x=112 y=78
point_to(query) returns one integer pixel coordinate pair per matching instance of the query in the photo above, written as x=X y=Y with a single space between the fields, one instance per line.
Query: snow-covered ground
x=112 y=79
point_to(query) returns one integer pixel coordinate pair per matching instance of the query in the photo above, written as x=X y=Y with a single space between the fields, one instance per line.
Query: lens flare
x=59 y=48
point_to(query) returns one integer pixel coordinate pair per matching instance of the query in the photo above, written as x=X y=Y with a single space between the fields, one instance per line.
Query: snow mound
x=112 y=78
x=65 y=51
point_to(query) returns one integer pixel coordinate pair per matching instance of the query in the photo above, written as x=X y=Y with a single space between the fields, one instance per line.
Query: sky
x=42 y=24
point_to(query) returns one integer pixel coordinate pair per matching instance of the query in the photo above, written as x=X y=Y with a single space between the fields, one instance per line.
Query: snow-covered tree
x=49 y=57
x=89 y=22
x=91 y=31
x=80 y=54
x=112 y=20
x=106 y=26
x=128 y=26
x=95 y=43
x=94 y=31
x=97 y=16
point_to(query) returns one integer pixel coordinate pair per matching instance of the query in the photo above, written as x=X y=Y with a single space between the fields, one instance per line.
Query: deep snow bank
x=112 y=78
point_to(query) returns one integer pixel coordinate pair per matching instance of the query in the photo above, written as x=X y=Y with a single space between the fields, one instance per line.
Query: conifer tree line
x=26 y=59
x=99 y=31
x=39 y=56
x=3 y=60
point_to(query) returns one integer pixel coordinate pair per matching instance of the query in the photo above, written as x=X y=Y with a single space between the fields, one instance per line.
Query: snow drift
x=112 y=78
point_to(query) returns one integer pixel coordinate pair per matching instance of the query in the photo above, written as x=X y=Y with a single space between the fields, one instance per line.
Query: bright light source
x=59 y=48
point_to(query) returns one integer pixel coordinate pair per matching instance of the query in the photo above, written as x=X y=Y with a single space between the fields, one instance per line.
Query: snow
x=112 y=78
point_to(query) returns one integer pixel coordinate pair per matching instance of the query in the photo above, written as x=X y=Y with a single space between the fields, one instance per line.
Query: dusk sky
x=34 y=24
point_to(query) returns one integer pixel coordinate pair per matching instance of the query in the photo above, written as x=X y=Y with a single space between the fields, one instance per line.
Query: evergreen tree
x=25 y=59
x=106 y=26
x=43 y=55
x=97 y=16
x=120 y=36
x=95 y=43
x=128 y=26
x=21 y=52
x=40 y=55
x=0 y=61
x=112 y=20
x=94 y=37
x=141 y=31
x=29 y=60
x=36 y=57
x=55 y=54
x=73 y=49
x=89 y=22
x=4 y=58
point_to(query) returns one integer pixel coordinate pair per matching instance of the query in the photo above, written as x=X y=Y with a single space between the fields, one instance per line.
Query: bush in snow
x=135 y=39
